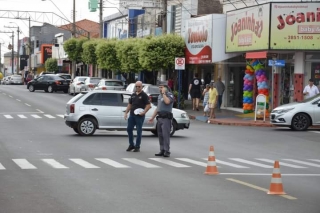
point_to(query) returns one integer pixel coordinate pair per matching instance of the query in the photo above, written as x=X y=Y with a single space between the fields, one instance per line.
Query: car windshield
x=310 y=99
x=65 y=76
x=113 y=83
x=55 y=77
x=95 y=80
x=153 y=90
x=82 y=79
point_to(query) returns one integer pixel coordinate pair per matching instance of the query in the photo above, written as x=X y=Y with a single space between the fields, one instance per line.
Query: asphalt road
x=46 y=167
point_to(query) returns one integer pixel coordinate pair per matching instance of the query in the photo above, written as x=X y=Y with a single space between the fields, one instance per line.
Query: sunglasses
x=138 y=86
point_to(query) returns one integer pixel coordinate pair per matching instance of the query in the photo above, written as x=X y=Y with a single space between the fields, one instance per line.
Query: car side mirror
x=318 y=104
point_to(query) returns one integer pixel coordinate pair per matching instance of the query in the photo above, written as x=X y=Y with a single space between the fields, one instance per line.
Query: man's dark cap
x=311 y=80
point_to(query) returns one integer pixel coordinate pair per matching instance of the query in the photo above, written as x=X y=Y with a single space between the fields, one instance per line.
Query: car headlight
x=282 y=111
x=184 y=115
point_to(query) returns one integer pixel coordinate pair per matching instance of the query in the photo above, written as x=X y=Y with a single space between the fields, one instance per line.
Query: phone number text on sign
x=292 y=37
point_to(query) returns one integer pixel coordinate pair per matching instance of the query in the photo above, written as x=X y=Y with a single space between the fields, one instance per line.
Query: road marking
x=258 y=188
x=141 y=163
x=24 y=164
x=265 y=174
x=39 y=110
x=84 y=164
x=18 y=100
x=112 y=163
x=2 y=167
x=199 y=163
x=27 y=104
x=10 y=96
x=303 y=162
x=8 y=116
x=61 y=116
x=22 y=116
x=36 y=116
x=4 y=93
x=55 y=164
x=230 y=164
x=169 y=162
x=251 y=163
x=49 y=116
x=316 y=160
x=315 y=132
x=282 y=163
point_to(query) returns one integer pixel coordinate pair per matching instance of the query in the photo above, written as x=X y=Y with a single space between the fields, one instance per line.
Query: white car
x=77 y=85
x=91 y=82
x=299 y=115
x=110 y=84
x=104 y=109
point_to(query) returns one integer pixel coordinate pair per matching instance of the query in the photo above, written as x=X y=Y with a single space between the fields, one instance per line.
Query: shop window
x=312 y=56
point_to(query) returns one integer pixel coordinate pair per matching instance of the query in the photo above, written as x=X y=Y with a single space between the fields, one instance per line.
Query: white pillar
x=299 y=63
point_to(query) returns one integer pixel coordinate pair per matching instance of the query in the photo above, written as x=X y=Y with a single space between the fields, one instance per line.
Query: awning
x=255 y=55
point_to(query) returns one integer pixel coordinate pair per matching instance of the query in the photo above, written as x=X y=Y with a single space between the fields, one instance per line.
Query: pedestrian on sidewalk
x=213 y=98
x=206 y=99
x=220 y=88
x=164 y=118
x=195 y=92
x=310 y=90
x=138 y=106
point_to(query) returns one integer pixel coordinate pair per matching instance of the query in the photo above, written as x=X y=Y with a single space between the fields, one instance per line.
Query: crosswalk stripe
x=141 y=163
x=22 y=116
x=36 y=116
x=251 y=163
x=199 y=163
x=303 y=162
x=316 y=160
x=84 y=163
x=282 y=163
x=61 y=116
x=55 y=164
x=169 y=162
x=24 y=164
x=231 y=164
x=8 y=116
x=49 y=116
x=2 y=167
x=112 y=163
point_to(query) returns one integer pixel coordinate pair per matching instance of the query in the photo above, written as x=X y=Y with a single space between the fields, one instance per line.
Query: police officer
x=164 y=117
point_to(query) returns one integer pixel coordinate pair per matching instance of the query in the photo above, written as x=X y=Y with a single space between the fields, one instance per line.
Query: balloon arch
x=256 y=69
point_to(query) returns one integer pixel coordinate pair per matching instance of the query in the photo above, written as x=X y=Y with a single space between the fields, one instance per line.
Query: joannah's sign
x=247 y=29
x=295 y=26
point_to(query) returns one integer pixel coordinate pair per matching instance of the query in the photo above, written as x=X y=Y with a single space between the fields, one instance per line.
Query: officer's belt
x=168 y=115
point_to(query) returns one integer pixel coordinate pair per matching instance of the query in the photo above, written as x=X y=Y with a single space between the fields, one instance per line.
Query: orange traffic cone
x=276 y=187
x=211 y=166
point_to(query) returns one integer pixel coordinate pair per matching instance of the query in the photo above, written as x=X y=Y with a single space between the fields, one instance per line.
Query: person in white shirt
x=310 y=90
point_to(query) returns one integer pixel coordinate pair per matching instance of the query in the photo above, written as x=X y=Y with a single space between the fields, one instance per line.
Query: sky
x=65 y=6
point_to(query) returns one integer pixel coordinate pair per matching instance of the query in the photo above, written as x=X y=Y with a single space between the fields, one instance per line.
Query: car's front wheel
x=31 y=88
x=300 y=122
x=86 y=126
x=50 y=89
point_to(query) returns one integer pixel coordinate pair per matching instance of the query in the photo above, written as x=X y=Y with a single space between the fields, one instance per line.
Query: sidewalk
x=226 y=117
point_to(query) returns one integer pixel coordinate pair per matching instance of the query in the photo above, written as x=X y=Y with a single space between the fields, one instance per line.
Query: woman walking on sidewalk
x=213 y=97
x=205 y=99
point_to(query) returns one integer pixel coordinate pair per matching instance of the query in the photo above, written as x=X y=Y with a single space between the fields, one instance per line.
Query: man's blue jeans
x=135 y=120
x=219 y=101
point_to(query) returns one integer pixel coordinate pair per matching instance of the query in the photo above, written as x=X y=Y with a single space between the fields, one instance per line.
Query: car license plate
x=65 y=83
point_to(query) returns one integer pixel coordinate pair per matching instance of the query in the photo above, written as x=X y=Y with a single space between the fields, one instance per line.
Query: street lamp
x=0 y=52
x=18 y=50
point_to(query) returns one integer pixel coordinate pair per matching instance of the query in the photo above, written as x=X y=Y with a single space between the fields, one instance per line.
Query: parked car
x=15 y=79
x=91 y=82
x=77 y=85
x=298 y=115
x=64 y=75
x=7 y=79
x=49 y=83
x=104 y=109
x=153 y=92
x=132 y=87
x=110 y=84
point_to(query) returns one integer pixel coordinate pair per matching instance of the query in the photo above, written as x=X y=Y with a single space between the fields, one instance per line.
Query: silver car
x=110 y=84
x=91 y=82
x=104 y=109
x=299 y=115
x=77 y=85
x=15 y=79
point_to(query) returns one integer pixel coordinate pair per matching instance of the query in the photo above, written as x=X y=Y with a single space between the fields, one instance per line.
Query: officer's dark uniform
x=164 y=118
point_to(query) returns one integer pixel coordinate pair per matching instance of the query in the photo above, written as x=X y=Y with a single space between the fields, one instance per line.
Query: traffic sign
x=180 y=63
x=277 y=63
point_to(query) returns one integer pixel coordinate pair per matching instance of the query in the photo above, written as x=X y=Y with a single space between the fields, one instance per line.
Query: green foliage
x=89 y=51
x=182 y=104
x=107 y=55
x=51 y=65
x=159 y=52
x=128 y=55
x=73 y=47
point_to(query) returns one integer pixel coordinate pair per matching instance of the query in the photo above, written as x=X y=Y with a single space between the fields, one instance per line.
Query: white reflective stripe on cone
x=276 y=171
x=276 y=180
x=212 y=163
x=211 y=153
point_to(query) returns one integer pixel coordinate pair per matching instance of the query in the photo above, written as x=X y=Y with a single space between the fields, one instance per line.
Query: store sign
x=295 y=26
x=247 y=29
x=277 y=63
x=198 y=40
x=46 y=52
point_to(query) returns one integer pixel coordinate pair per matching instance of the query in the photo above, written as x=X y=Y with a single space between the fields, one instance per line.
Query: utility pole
x=101 y=28
x=74 y=35
x=164 y=16
x=11 y=47
x=18 y=32
x=29 y=63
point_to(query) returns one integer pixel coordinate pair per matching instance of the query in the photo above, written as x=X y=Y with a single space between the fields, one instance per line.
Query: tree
x=51 y=65
x=89 y=55
x=107 y=55
x=73 y=47
x=128 y=54
x=159 y=52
